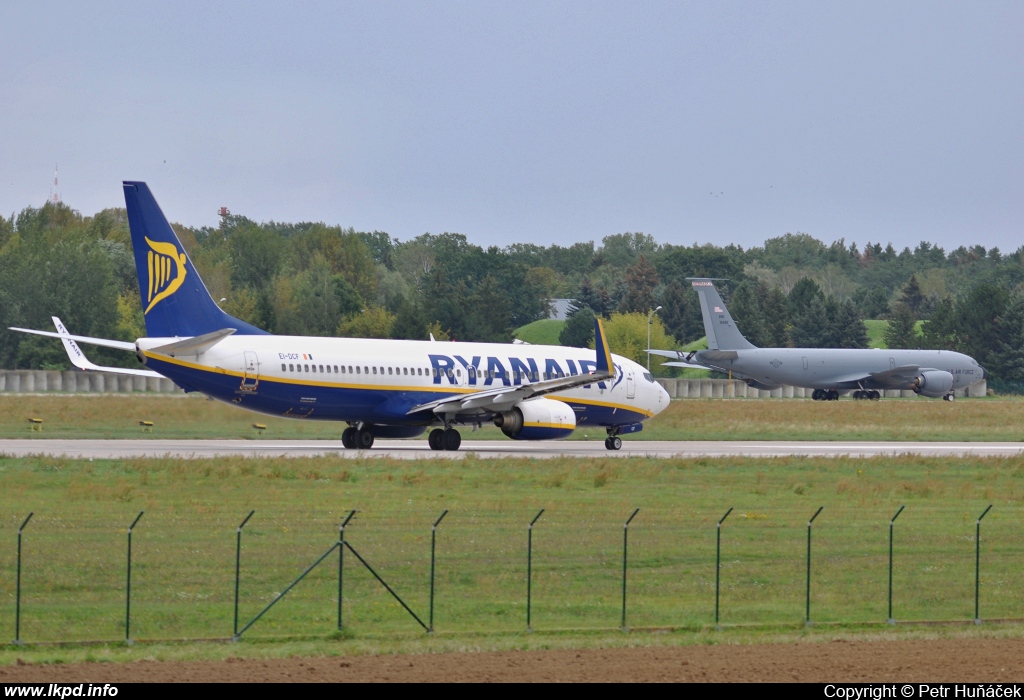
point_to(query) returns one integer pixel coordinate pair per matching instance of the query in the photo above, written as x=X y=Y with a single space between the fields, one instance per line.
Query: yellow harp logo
x=166 y=271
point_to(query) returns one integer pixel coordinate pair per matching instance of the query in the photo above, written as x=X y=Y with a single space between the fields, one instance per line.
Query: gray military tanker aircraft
x=830 y=372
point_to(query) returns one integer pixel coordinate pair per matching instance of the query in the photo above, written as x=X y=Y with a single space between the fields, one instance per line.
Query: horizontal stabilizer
x=119 y=344
x=193 y=346
x=685 y=365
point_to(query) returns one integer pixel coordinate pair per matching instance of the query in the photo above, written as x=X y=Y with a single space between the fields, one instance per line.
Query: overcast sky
x=523 y=121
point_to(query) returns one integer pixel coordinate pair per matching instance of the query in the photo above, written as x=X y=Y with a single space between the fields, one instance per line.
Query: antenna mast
x=54 y=192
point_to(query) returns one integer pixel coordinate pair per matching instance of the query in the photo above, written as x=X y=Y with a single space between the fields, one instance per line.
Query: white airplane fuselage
x=380 y=381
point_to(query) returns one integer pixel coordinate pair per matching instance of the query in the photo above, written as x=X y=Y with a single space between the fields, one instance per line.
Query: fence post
x=977 y=565
x=128 y=594
x=238 y=570
x=807 y=619
x=529 y=568
x=625 y=549
x=17 y=598
x=718 y=559
x=341 y=560
x=433 y=542
x=891 y=619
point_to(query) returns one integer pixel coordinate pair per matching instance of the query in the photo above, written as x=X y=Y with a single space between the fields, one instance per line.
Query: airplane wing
x=194 y=346
x=897 y=378
x=79 y=360
x=119 y=344
x=500 y=399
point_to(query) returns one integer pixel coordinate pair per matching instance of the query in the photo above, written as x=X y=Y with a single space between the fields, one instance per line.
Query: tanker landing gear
x=948 y=397
x=825 y=395
x=444 y=439
x=613 y=441
x=867 y=395
x=354 y=438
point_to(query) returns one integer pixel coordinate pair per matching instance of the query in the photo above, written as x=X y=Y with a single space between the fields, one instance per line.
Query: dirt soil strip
x=928 y=661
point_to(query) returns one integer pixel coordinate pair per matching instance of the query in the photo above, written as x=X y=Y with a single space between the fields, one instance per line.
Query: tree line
x=314 y=279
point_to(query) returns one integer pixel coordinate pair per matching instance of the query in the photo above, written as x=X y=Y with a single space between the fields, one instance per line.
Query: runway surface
x=418 y=449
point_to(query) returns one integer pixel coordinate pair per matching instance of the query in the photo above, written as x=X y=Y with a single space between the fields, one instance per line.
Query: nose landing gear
x=613 y=441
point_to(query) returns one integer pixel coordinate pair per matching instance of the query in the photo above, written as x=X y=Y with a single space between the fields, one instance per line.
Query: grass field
x=542 y=332
x=178 y=416
x=876 y=332
x=183 y=548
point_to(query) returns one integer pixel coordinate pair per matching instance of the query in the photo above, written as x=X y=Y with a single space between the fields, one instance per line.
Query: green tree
x=409 y=322
x=488 y=318
x=746 y=309
x=775 y=309
x=812 y=327
x=594 y=297
x=622 y=249
x=578 y=331
x=256 y=256
x=801 y=295
x=1008 y=358
x=372 y=322
x=627 y=336
x=681 y=313
x=900 y=331
x=979 y=320
x=912 y=295
x=850 y=330
x=941 y=331
x=641 y=281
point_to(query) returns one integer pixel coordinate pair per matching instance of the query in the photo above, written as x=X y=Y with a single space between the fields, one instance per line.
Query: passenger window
x=291 y=368
x=321 y=368
x=307 y=367
x=283 y=367
x=335 y=369
x=458 y=373
x=357 y=370
x=389 y=370
x=375 y=370
x=366 y=370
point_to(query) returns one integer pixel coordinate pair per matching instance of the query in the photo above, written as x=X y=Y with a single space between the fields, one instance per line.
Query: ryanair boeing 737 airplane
x=381 y=388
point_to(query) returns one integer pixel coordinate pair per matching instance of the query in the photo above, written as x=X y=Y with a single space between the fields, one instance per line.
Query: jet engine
x=933 y=383
x=537 y=419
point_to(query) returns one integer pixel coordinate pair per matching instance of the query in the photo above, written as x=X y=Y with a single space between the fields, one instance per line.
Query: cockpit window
x=649 y=377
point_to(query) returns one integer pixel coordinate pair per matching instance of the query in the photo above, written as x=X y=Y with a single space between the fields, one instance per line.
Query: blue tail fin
x=174 y=299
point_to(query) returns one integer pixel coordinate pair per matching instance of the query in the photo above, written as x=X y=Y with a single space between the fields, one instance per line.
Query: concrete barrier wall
x=725 y=388
x=29 y=381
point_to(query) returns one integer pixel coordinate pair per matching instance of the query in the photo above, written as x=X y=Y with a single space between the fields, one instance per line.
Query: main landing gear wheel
x=348 y=438
x=613 y=443
x=451 y=439
x=948 y=397
x=364 y=439
x=435 y=438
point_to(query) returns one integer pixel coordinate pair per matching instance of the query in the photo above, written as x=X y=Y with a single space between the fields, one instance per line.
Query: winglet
x=604 y=357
